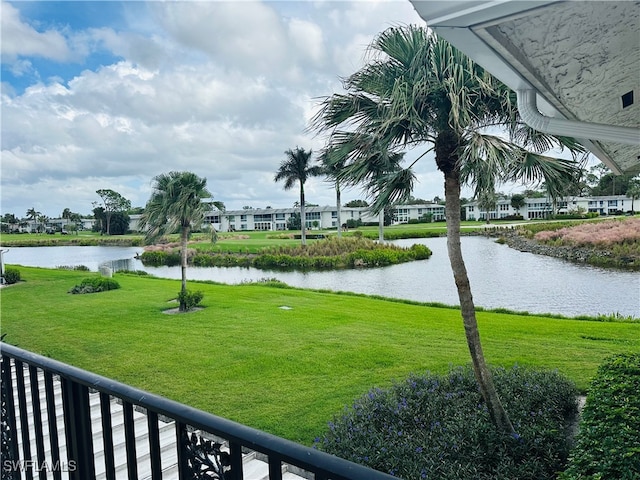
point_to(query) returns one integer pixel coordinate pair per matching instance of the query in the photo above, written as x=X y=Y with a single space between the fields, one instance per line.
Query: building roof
x=582 y=60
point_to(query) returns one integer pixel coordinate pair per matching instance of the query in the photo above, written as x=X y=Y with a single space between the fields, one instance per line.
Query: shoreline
x=596 y=257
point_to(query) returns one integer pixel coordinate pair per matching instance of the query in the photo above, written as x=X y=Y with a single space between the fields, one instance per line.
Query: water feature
x=500 y=277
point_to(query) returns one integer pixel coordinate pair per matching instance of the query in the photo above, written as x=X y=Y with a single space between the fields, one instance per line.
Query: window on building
x=262 y=226
x=402 y=215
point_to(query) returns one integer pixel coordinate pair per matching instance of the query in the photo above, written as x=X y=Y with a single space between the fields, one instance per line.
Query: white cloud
x=21 y=39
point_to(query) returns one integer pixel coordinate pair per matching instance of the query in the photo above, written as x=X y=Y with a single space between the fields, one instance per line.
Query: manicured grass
x=287 y=371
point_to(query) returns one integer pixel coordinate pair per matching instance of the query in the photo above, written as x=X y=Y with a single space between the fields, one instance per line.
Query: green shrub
x=608 y=444
x=95 y=284
x=11 y=275
x=140 y=273
x=82 y=268
x=190 y=299
x=438 y=427
x=159 y=258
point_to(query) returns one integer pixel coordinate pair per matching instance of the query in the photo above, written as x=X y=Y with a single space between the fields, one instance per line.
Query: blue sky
x=62 y=17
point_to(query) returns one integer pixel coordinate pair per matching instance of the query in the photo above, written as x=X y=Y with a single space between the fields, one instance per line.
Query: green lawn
x=286 y=371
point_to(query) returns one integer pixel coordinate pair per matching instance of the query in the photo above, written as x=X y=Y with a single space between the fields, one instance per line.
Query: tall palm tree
x=33 y=215
x=332 y=165
x=42 y=222
x=419 y=90
x=297 y=168
x=66 y=215
x=176 y=204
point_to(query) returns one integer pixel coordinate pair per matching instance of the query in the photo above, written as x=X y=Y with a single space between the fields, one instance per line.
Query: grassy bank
x=287 y=371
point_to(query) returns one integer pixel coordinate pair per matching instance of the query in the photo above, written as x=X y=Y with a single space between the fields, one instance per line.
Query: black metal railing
x=57 y=422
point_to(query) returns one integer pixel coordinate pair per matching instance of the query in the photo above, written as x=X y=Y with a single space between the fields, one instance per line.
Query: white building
x=543 y=207
x=275 y=219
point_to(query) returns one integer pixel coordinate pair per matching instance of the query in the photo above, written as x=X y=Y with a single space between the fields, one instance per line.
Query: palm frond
x=175 y=202
x=390 y=188
x=530 y=167
x=485 y=160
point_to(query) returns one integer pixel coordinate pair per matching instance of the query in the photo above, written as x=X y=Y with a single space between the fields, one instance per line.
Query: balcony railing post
x=183 y=465
x=53 y=424
x=24 y=416
x=37 y=419
x=130 y=441
x=275 y=468
x=154 y=445
x=9 y=431
x=107 y=436
x=77 y=421
x=235 y=449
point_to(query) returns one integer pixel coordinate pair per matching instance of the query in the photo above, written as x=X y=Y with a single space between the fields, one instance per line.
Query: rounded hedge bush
x=95 y=284
x=11 y=275
x=438 y=427
x=190 y=299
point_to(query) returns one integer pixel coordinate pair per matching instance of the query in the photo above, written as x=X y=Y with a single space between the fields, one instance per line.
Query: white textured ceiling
x=580 y=56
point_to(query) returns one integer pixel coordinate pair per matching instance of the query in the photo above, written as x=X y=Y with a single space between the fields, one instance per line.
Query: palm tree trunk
x=184 y=236
x=483 y=375
x=303 y=220
x=381 y=226
x=339 y=207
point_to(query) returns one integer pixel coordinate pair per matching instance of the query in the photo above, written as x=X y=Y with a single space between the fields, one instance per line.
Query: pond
x=500 y=276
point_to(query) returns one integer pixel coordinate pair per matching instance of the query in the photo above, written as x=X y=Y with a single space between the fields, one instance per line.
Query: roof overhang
x=581 y=58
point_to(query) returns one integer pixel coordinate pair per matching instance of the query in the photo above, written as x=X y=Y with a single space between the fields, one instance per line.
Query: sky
x=107 y=95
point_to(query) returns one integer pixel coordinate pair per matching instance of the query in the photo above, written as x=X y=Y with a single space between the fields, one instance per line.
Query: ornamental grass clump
x=437 y=427
x=601 y=233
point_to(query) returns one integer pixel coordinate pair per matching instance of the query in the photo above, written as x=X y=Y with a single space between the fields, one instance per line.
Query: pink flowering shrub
x=605 y=234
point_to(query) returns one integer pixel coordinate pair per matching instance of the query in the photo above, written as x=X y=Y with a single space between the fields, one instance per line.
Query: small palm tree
x=417 y=89
x=297 y=168
x=375 y=167
x=176 y=205
x=633 y=192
